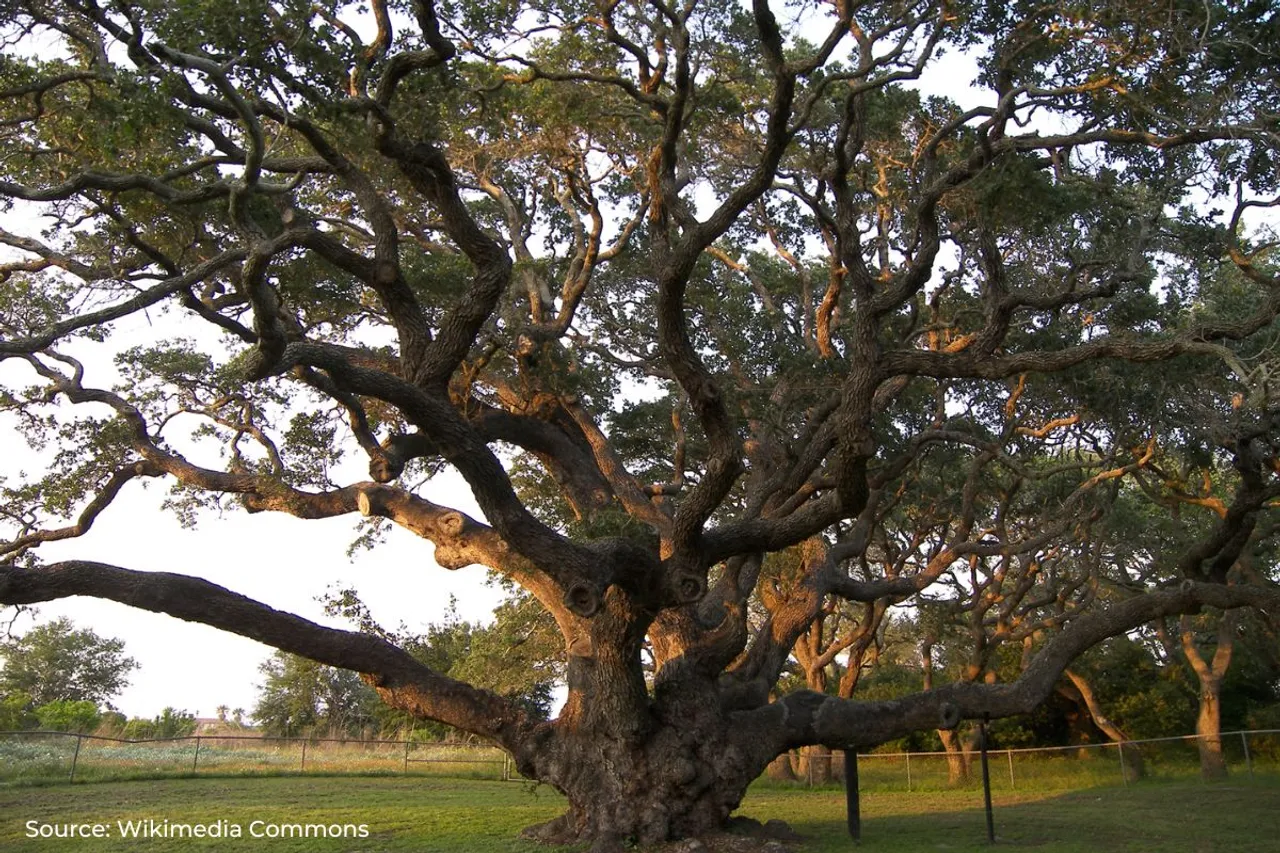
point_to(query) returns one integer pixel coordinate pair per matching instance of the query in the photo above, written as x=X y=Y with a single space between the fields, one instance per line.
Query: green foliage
x=139 y=728
x=517 y=655
x=57 y=661
x=169 y=723
x=112 y=724
x=67 y=716
x=173 y=722
x=311 y=451
x=16 y=712
x=1144 y=694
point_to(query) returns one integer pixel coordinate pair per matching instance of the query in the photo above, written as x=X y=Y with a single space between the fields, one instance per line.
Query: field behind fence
x=43 y=757
x=40 y=757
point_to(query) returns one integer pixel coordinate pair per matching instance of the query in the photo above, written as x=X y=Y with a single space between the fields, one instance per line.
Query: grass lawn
x=452 y=816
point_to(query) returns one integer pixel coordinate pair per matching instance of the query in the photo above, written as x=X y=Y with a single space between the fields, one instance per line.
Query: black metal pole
x=986 y=779
x=851 y=794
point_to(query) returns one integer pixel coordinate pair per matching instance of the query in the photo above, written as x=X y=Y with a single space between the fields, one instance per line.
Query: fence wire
x=41 y=757
x=1243 y=754
x=36 y=756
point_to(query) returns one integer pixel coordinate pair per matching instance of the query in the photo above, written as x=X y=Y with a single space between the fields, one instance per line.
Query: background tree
x=58 y=662
x=1140 y=689
x=673 y=289
x=300 y=697
x=174 y=723
x=169 y=723
x=1228 y=665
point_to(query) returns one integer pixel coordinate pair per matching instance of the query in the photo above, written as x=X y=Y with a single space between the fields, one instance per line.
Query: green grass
x=465 y=816
x=1149 y=818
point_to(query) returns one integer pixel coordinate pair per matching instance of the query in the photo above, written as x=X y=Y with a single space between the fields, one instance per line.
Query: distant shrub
x=174 y=723
x=139 y=729
x=171 y=723
x=112 y=724
x=63 y=715
x=16 y=712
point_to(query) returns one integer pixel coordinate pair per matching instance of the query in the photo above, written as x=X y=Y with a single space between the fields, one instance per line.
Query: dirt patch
x=744 y=835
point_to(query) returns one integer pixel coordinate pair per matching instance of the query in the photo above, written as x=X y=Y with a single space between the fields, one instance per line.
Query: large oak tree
x=703 y=300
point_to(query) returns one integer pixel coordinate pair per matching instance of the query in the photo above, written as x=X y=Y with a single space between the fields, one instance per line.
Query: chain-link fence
x=47 y=756
x=1236 y=754
x=50 y=756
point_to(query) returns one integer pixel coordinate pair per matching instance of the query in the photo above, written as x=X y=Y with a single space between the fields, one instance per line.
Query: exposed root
x=558 y=830
x=741 y=835
x=725 y=842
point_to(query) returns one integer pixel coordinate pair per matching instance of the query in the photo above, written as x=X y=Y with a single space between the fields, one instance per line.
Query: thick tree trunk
x=1213 y=765
x=815 y=765
x=957 y=761
x=780 y=769
x=640 y=766
x=676 y=783
x=957 y=757
x=1210 y=673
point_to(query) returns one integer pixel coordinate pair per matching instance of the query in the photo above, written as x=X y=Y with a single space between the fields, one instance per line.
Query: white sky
x=281 y=561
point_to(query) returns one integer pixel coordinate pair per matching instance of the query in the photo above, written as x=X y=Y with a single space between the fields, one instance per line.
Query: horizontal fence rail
x=42 y=757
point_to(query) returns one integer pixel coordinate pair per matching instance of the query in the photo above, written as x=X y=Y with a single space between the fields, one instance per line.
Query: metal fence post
x=75 y=758
x=1012 y=785
x=407 y=744
x=852 y=805
x=303 y=767
x=1248 y=760
x=986 y=780
x=195 y=758
x=1124 y=770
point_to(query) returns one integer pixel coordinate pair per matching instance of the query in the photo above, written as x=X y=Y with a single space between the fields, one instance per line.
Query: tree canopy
x=719 y=318
x=301 y=697
x=58 y=662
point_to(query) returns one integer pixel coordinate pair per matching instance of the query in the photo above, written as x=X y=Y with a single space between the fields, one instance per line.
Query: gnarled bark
x=958 y=751
x=1209 y=674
